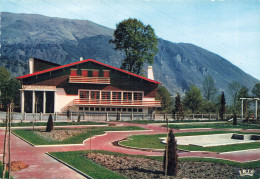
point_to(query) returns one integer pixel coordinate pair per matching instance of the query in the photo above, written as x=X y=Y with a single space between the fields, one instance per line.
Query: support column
x=33 y=102
x=242 y=109
x=22 y=101
x=44 y=102
x=256 y=103
x=54 y=103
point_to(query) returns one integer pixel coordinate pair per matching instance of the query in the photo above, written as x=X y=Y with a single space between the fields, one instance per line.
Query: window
x=127 y=95
x=118 y=109
x=86 y=108
x=103 y=109
x=113 y=109
x=138 y=96
x=116 y=95
x=129 y=109
x=95 y=94
x=134 y=110
x=81 y=108
x=106 y=95
x=124 y=109
x=97 y=109
x=140 y=110
x=107 y=109
x=73 y=72
x=84 y=95
x=91 y=109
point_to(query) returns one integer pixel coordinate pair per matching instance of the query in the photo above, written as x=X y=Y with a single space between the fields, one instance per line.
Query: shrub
x=172 y=158
x=79 y=116
x=49 y=127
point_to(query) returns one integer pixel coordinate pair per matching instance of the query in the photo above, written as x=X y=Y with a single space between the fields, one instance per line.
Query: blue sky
x=229 y=28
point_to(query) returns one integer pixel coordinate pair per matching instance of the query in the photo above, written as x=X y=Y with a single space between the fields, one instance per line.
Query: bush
x=172 y=158
x=50 y=125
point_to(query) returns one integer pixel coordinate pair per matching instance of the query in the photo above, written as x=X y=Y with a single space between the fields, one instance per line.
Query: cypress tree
x=50 y=125
x=172 y=158
x=222 y=109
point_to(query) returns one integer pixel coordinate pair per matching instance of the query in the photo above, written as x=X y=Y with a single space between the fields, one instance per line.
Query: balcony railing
x=100 y=102
x=92 y=80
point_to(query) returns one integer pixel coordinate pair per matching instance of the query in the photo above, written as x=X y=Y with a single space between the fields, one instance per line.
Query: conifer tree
x=222 y=109
x=50 y=125
x=172 y=156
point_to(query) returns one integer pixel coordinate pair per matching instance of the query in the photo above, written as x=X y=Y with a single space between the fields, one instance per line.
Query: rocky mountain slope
x=177 y=65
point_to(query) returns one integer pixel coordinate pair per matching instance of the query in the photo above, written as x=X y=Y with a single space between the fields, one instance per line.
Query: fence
x=94 y=116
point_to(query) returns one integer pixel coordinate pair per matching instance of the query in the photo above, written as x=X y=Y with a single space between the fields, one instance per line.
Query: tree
x=138 y=42
x=50 y=124
x=193 y=98
x=209 y=89
x=171 y=159
x=9 y=88
x=234 y=88
x=222 y=109
x=179 y=107
x=256 y=90
x=164 y=95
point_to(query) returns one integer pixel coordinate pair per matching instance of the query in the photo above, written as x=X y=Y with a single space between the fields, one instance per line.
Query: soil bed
x=60 y=134
x=134 y=167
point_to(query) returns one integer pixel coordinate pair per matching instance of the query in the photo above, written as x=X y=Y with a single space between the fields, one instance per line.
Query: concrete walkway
x=43 y=166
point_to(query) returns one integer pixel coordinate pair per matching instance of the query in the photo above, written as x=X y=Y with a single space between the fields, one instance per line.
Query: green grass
x=23 y=124
x=36 y=139
x=79 y=161
x=215 y=125
x=153 y=141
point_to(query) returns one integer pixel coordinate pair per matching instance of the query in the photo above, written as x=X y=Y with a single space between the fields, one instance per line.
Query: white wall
x=62 y=100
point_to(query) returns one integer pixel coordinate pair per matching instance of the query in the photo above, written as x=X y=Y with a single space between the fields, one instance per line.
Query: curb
x=68 y=165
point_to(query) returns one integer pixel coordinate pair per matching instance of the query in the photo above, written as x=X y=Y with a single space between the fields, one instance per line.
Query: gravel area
x=60 y=134
x=134 y=167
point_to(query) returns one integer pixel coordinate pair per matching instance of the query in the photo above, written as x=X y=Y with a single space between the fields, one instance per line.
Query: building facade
x=85 y=86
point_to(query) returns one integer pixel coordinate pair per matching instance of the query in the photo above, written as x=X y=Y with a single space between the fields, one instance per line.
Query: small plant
x=170 y=159
x=50 y=125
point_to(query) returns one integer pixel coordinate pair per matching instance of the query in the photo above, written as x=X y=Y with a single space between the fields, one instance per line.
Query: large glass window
x=49 y=101
x=39 y=101
x=28 y=101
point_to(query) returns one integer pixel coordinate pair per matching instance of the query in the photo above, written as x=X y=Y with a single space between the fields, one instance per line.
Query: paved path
x=43 y=166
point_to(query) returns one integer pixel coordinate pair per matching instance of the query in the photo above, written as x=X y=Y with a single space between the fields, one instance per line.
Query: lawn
x=36 y=139
x=153 y=141
x=23 y=124
x=215 y=125
x=80 y=162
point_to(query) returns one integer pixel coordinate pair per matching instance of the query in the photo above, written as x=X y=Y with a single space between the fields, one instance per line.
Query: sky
x=229 y=28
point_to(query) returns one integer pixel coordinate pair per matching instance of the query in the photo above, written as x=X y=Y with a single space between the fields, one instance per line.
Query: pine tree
x=172 y=157
x=222 y=109
x=50 y=125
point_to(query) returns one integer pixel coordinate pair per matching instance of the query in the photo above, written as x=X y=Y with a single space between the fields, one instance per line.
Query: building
x=86 y=86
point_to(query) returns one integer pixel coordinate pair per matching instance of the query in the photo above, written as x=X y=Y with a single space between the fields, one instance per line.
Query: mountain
x=62 y=41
